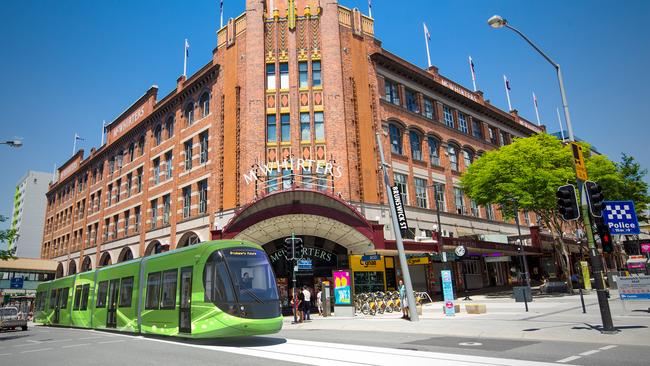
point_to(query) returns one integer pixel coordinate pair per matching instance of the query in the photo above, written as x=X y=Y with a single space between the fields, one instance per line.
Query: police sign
x=620 y=217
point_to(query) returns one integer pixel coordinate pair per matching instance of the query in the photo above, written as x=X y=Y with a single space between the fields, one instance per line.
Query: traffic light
x=288 y=251
x=299 y=247
x=605 y=236
x=595 y=198
x=567 y=202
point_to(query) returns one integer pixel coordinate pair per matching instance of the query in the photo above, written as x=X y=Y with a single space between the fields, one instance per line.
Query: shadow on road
x=254 y=341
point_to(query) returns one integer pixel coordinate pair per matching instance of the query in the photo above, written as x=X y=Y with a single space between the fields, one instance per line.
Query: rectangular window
x=116 y=219
x=187 y=201
x=156 y=171
x=111 y=165
x=526 y=218
x=305 y=127
x=126 y=292
x=154 y=213
x=421 y=192
x=118 y=186
x=412 y=103
x=504 y=138
x=477 y=131
x=475 y=211
x=129 y=184
x=166 y=209
x=85 y=290
x=203 y=196
x=284 y=75
x=188 y=154
x=109 y=192
x=316 y=74
x=126 y=222
x=152 y=300
x=428 y=108
x=493 y=135
x=489 y=212
x=462 y=122
x=169 y=162
x=139 y=180
x=271 y=128
x=400 y=182
x=270 y=76
x=319 y=126
x=458 y=198
x=101 y=294
x=203 y=142
x=416 y=146
x=439 y=193
x=168 y=300
x=136 y=224
x=392 y=93
x=449 y=116
x=77 y=298
x=63 y=297
x=107 y=222
x=303 y=75
x=285 y=128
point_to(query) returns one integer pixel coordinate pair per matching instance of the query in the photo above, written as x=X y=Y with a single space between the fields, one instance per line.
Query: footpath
x=550 y=318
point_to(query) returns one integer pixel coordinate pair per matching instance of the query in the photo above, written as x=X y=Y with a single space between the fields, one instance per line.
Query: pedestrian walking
x=299 y=306
x=403 y=300
x=307 y=303
x=319 y=301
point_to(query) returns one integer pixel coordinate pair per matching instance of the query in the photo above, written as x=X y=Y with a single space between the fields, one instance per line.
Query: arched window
x=169 y=126
x=205 y=104
x=395 y=139
x=125 y=255
x=157 y=134
x=105 y=259
x=416 y=146
x=434 y=151
x=72 y=267
x=189 y=113
x=86 y=265
x=468 y=157
x=453 y=157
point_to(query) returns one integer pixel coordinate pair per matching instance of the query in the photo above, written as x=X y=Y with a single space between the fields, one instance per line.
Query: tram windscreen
x=252 y=275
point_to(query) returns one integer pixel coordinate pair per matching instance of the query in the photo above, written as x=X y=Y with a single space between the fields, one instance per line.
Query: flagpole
x=221 y=12
x=559 y=119
x=536 y=109
x=74 y=144
x=370 y=8
x=505 y=84
x=185 y=58
x=426 y=42
x=471 y=69
x=103 y=132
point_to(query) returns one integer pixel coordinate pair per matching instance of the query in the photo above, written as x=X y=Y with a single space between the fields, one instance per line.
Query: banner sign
x=645 y=247
x=16 y=282
x=634 y=287
x=399 y=208
x=586 y=277
x=620 y=218
x=342 y=291
x=448 y=292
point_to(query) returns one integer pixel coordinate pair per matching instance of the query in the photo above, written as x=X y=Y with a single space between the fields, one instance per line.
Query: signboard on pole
x=586 y=277
x=342 y=291
x=370 y=257
x=448 y=292
x=620 y=217
x=634 y=287
x=16 y=282
x=581 y=169
x=396 y=196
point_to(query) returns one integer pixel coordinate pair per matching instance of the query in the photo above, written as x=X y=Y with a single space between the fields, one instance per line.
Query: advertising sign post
x=448 y=292
x=342 y=293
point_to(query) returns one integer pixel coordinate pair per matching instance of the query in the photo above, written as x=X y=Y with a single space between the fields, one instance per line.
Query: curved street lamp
x=13 y=143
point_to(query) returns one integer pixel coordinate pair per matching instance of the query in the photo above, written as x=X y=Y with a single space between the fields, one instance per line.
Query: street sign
x=16 y=282
x=396 y=196
x=586 y=277
x=634 y=288
x=304 y=264
x=581 y=169
x=371 y=257
x=620 y=217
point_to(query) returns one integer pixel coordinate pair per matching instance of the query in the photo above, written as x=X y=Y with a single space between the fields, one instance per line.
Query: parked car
x=10 y=318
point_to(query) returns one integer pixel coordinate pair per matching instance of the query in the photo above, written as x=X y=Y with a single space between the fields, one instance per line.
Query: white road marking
x=37 y=350
x=29 y=340
x=470 y=344
x=96 y=337
x=115 y=341
x=587 y=353
x=608 y=347
x=5 y=354
x=569 y=359
x=76 y=345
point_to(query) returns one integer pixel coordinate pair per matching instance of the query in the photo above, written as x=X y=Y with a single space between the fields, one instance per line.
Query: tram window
x=153 y=291
x=168 y=298
x=84 y=296
x=217 y=280
x=101 y=294
x=52 y=298
x=77 y=297
x=126 y=292
x=64 y=297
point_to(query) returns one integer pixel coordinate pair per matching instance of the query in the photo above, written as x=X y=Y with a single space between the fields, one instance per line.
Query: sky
x=68 y=65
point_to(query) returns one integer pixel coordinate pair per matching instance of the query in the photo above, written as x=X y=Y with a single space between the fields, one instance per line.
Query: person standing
x=319 y=301
x=300 y=305
x=403 y=300
x=307 y=303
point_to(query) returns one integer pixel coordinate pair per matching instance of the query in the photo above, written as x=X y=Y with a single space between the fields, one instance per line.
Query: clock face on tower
x=459 y=251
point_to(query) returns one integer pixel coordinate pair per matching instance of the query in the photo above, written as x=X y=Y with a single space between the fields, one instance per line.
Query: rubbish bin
x=520 y=291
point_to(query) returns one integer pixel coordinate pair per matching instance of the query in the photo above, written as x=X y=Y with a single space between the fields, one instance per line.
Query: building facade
x=28 y=213
x=275 y=136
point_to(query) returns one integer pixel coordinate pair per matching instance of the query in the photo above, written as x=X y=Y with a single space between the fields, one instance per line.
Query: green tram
x=214 y=289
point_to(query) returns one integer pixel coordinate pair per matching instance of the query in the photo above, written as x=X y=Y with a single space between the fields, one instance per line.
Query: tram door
x=111 y=317
x=57 y=306
x=185 y=313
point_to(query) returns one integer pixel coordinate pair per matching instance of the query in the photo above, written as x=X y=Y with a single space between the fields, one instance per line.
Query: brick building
x=276 y=135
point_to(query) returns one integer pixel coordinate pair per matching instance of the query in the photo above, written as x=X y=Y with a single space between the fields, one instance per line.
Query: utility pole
x=292 y=263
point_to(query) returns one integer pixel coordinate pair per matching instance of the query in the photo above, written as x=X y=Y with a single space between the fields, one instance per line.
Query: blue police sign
x=16 y=282
x=620 y=217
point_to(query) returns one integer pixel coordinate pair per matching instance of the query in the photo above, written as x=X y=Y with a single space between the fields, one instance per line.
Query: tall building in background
x=28 y=213
x=276 y=135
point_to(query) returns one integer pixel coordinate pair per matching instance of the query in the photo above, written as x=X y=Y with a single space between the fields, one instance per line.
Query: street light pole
x=398 y=237
x=523 y=253
x=497 y=21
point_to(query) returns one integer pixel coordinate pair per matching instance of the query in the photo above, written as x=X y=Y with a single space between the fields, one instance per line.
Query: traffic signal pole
x=596 y=264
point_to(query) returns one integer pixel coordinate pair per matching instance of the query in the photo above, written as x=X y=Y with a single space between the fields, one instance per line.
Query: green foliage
x=603 y=171
x=633 y=186
x=6 y=236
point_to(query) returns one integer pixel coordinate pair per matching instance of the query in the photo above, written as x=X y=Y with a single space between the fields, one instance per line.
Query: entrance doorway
x=111 y=314
x=185 y=319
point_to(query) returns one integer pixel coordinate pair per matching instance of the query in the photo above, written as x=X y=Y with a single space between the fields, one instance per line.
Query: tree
x=529 y=170
x=633 y=186
x=6 y=237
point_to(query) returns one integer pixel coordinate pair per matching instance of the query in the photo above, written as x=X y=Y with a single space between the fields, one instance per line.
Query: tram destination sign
x=396 y=196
